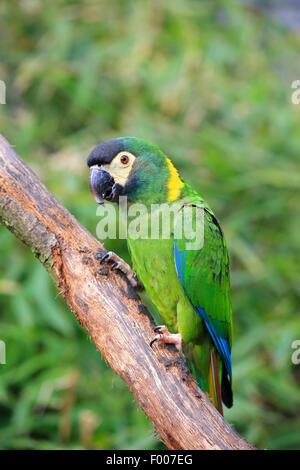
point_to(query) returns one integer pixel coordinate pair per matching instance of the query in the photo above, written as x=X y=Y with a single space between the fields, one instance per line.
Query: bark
x=120 y=326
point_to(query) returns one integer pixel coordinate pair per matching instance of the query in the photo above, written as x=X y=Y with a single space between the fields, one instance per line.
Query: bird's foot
x=164 y=336
x=118 y=263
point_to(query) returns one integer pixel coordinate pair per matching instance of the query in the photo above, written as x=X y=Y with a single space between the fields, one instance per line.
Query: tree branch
x=119 y=326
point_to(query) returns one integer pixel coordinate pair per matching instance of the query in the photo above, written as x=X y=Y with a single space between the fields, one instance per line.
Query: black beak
x=103 y=186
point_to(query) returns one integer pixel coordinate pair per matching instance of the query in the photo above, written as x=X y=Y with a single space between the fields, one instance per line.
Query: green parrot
x=189 y=287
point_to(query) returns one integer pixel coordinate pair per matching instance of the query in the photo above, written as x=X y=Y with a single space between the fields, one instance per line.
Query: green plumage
x=190 y=288
x=205 y=274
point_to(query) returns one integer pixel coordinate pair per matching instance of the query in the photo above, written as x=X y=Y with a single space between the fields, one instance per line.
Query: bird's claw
x=118 y=263
x=115 y=265
x=161 y=329
x=153 y=340
x=105 y=257
x=164 y=336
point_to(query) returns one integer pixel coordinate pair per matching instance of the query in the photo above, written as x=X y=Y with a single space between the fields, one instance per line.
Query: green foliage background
x=210 y=82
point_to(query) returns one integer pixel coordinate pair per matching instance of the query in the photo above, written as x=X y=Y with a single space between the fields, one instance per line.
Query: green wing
x=204 y=275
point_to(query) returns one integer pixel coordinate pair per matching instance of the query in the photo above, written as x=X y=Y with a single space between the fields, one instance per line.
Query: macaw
x=189 y=287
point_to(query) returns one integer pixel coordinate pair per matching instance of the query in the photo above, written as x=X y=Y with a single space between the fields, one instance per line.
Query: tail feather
x=211 y=374
x=214 y=383
x=226 y=389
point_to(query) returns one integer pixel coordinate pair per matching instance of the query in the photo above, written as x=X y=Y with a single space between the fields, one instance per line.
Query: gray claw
x=157 y=329
x=153 y=340
x=104 y=257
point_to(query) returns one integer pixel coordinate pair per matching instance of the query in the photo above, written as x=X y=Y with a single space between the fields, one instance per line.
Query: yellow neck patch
x=174 y=183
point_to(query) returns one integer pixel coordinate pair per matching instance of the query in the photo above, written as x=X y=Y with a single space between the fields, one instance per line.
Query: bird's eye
x=124 y=159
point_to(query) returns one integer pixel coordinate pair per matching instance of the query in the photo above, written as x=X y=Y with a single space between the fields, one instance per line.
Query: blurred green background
x=210 y=83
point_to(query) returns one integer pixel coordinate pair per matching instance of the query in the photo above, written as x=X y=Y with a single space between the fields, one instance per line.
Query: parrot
x=190 y=288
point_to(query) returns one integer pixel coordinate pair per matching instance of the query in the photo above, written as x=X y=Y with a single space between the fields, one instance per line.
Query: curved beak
x=101 y=184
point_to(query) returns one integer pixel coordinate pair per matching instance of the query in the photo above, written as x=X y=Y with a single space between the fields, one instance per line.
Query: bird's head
x=135 y=168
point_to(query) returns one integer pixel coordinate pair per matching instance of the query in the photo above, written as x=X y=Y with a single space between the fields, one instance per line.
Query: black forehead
x=105 y=152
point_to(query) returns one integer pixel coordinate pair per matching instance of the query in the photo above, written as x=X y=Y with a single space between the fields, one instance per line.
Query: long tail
x=214 y=389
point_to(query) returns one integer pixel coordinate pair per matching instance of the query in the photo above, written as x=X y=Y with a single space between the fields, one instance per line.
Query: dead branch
x=119 y=326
